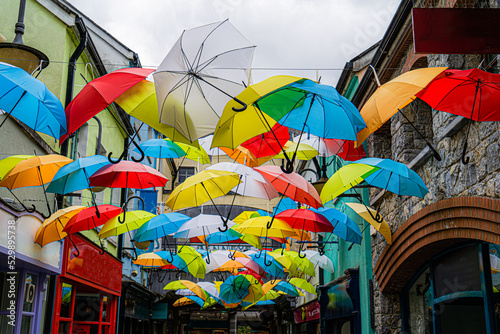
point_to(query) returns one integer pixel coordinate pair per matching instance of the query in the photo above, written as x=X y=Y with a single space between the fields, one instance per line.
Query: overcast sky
x=289 y=34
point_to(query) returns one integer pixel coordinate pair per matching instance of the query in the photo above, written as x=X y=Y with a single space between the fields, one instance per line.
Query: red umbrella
x=99 y=94
x=127 y=174
x=254 y=274
x=291 y=185
x=474 y=94
x=269 y=143
x=350 y=153
x=306 y=220
x=87 y=219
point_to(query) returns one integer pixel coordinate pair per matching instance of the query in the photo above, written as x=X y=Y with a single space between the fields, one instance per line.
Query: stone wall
x=446 y=178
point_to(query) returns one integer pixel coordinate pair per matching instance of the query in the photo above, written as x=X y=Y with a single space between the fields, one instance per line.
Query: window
x=184 y=173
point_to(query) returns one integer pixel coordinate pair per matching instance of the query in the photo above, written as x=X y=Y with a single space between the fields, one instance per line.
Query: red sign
x=103 y=270
x=456 y=30
x=306 y=313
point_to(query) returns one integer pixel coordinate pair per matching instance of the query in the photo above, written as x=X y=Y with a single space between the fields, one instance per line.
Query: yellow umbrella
x=393 y=96
x=302 y=284
x=269 y=295
x=140 y=102
x=183 y=302
x=52 y=228
x=258 y=227
x=151 y=260
x=201 y=188
x=382 y=226
x=304 y=151
x=243 y=156
x=254 y=292
x=195 y=153
x=6 y=164
x=345 y=178
x=245 y=215
x=133 y=220
x=301 y=264
x=185 y=284
x=235 y=127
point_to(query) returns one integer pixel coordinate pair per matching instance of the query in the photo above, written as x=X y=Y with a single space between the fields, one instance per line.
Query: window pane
x=106 y=303
x=7 y=285
x=87 y=307
x=105 y=329
x=66 y=300
x=4 y=325
x=465 y=315
x=64 y=327
x=87 y=329
x=184 y=173
x=29 y=293
x=457 y=271
x=26 y=322
x=420 y=302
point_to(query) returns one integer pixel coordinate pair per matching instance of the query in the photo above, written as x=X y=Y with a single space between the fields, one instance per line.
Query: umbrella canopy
x=313 y=108
x=302 y=284
x=234 y=289
x=190 y=85
x=201 y=225
x=303 y=263
x=193 y=260
x=259 y=227
x=35 y=171
x=320 y=260
x=30 y=101
x=287 y=288
x=243 y=156
x=210 y=288
x=343 y=226
x=291 y=185
x=351 y=153
x=325 y=147
x=232 y=235
x=252 y=184
x=127 y=174
x=99 y=94
x=304 y=219
x=87 y=219
x=380 y=225
x=6 y=164
x=232 y=128
x=133 y=220
x=245 y=215
x=185 y=284
x=150 y=260
x=393 y=96
x=201 y=188
x=75 y=176
x=140 y=102
x=188 y=301
x=160 y=226
x=161 y=149
x=269 y=143
x=52 y=228
x=195 y=153
x=269 y=265
x=284 y=204
x=301 y=151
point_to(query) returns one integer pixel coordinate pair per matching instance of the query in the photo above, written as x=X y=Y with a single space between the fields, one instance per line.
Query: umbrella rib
x=211 y=60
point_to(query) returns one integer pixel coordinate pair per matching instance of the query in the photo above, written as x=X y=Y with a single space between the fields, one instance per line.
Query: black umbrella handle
x=124 y=208
x=301 y=255
x=243 y=105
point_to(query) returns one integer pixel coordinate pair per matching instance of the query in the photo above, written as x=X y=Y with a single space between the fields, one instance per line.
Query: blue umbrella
x=234 y=289
x=30 y=101
x=274 y=269
x=221 y=237
x=287 y=288
x=284 y=204
x=197 y=300
x=75 y=176
x=160 y=226
x=394 y=177
x=343 y=226
x=162 y=149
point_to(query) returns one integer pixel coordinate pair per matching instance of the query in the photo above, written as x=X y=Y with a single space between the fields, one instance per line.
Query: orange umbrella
x=52 y=228
x=244 y=156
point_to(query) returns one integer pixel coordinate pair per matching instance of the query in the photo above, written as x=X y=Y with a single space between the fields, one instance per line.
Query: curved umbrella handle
x=33 y=207
x=243 y=105
x=232 y=255
x=163 y=278
x=465 y=160
x=300 y=250
x=265 y=260
x=171 y=257
x=288 y=169
x=224 y=227
x=321 y=250
x=76 y=248
x=101 y=251
x=207 y=259
x=124 y=208
x=259 y=254
x=139 y=148
x=270 y=223
x=378 y=218
x=44 y=216
x=120 y=158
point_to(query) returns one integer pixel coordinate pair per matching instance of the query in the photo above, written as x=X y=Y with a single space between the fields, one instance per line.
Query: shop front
x=25 y=272
x=306 y=318
x=339 y=304
x=136 y=309
x=87 y=290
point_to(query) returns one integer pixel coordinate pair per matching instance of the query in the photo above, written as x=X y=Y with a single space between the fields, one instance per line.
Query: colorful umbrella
x=259 y=227
x=6 y=164
x=320 y=260
x=307 y=220
x=194 y=153
x=234 y=289
x=193 y=261
x=161 y=149
x=325 y=147
x=303 y=263
x=160 y=226
x=300 y=151
x=243 y=156
x=150 y=260
x=132 y=221
x=188 y=301
x=87 y=219
x=269 y=143
x=302 y=284
x=99 y=94
x=379 y=224
x=351 y=153
x=30 y=101
x=52 y=228
x=191 y=88
x=473 y=94
x=201 y=225
x=201 y=188
x=127 y=174
x=343 y=226
x=185 y=284
x=291 y=185
x=273 y=267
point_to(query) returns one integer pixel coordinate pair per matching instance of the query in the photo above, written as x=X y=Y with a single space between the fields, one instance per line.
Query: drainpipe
x=82 y=30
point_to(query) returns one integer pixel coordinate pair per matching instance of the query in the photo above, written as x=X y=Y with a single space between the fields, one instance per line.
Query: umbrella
x=140 y=102
x=194 y=153
x=127 y=174
x=351 y=153
x=234 y=289
x=6 y=164
x=162 y=149
x=188 y=301
x=243 y=156
x=201 y=225
x=302 y=263
x=291 y=185
x=87 y=219
x=99 y=94
x=252 y=184
x=325 y=147
x=160 y=226
x=245 y=215
x=320 y=260
x=30 y=101
x=269 y=143
x=301 y=151
x=284 y=204
x=75 y=176
x=304 y=219
x=266 y=299
x=210 y=288
x=273 y=267
x=259 y=227
x=393 y=96
x=302 y=284
x=343 y=226
x=185 y=284
x=132 y=221
x=232 y=235
x=52 y=228
x=193 y=261
x=201 y=188
x=379 y=224
x=233 y=126
x=206 y=143
x=191 y=87
x=287 y=288
x=150 y=260
x=473 y=94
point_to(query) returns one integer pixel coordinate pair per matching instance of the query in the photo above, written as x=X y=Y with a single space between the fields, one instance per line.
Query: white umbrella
x=325 y=147
x=209 y=288
x=201 y=225
x=320 y=260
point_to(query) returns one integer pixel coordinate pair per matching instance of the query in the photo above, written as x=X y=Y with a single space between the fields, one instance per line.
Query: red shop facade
x=87 y=290
x=306 y=318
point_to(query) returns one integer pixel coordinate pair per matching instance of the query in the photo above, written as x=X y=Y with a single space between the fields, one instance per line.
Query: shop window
x=420 y=303
x=184 y=173
x=87 y=307
x=67 y=294
x=461 y=315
